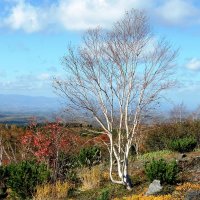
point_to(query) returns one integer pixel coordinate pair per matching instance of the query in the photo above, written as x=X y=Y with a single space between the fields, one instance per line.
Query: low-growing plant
x=141 y=197
x=154 y=155
x=188 y=186
x=48 y=191
x=67 y=165
x=90 y=178
x=171 y=172
x=89 y=156
x=182 y=145
x=181 y=190
x=105 y=195
x=197 y=150
x=73 y=178
x=105 y=175
x=25 y=176
x=3 y=187
x=161 y=170
x=158 y=137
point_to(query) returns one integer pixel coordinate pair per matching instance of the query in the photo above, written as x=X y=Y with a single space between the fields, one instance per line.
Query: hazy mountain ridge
x=19 y=109
x=28 y=104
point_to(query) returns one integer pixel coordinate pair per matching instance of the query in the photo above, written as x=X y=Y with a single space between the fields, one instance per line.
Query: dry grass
x=90 y=178
x=48 y=191
x=105 y=176
x=188 y=186
x=140 y=197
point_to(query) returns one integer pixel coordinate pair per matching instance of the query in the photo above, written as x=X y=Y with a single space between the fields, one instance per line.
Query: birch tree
x=117 y=75
x=179 y=113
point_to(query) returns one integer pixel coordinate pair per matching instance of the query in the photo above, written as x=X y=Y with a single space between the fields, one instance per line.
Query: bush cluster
x=22 y=178
x=67 y=163
x=161 y=170
x=182 y=145
x=158 y=137
x=155 y=154
x=105 y=195
x=89 y=156
x=3 y=187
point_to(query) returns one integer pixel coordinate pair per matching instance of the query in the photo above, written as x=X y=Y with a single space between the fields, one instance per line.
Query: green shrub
x=105 y=195
x=161 y=170
x=3 y=187
x=73 y=178
x=66 y=165
x=158 y=137
x=182 y=145
x=171 y=172
x=25 y=176
x=154 y=154
x=89 y=156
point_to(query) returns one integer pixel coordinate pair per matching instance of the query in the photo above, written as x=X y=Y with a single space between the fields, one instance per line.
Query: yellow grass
x=90 y=178
x=140 y=197
x=187 y=186
x=48 y=191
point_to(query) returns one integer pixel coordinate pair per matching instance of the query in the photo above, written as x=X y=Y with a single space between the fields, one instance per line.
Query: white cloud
x=178 y=12
x=44 y=77
x=82 y=14
x=27 y=82
x=68 y=14
x=24 y=16
x=193 y=64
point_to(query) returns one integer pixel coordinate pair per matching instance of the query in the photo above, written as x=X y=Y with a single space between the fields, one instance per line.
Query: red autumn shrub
x=46 y=142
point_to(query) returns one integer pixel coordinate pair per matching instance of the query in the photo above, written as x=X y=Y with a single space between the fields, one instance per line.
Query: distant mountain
x=28 y=104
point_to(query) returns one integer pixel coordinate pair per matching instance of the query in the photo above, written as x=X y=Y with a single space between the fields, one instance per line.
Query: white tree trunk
x=115 y=77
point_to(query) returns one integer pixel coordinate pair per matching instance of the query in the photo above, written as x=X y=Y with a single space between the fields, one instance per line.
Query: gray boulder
x=182 y=156
x=154 y=188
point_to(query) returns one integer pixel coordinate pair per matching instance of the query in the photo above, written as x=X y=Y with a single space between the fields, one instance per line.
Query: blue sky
x=34 y=35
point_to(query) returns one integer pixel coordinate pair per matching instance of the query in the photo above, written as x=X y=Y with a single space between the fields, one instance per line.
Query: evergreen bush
x=161 y=170
x=89 y=156
x=25 y=176
x=182 y=145
x=3 y=178
x=105 y=195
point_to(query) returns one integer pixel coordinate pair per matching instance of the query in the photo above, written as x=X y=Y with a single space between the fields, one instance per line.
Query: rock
x=181 y=156
x=181 y=159
x=192 y=195
x=154 y=188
